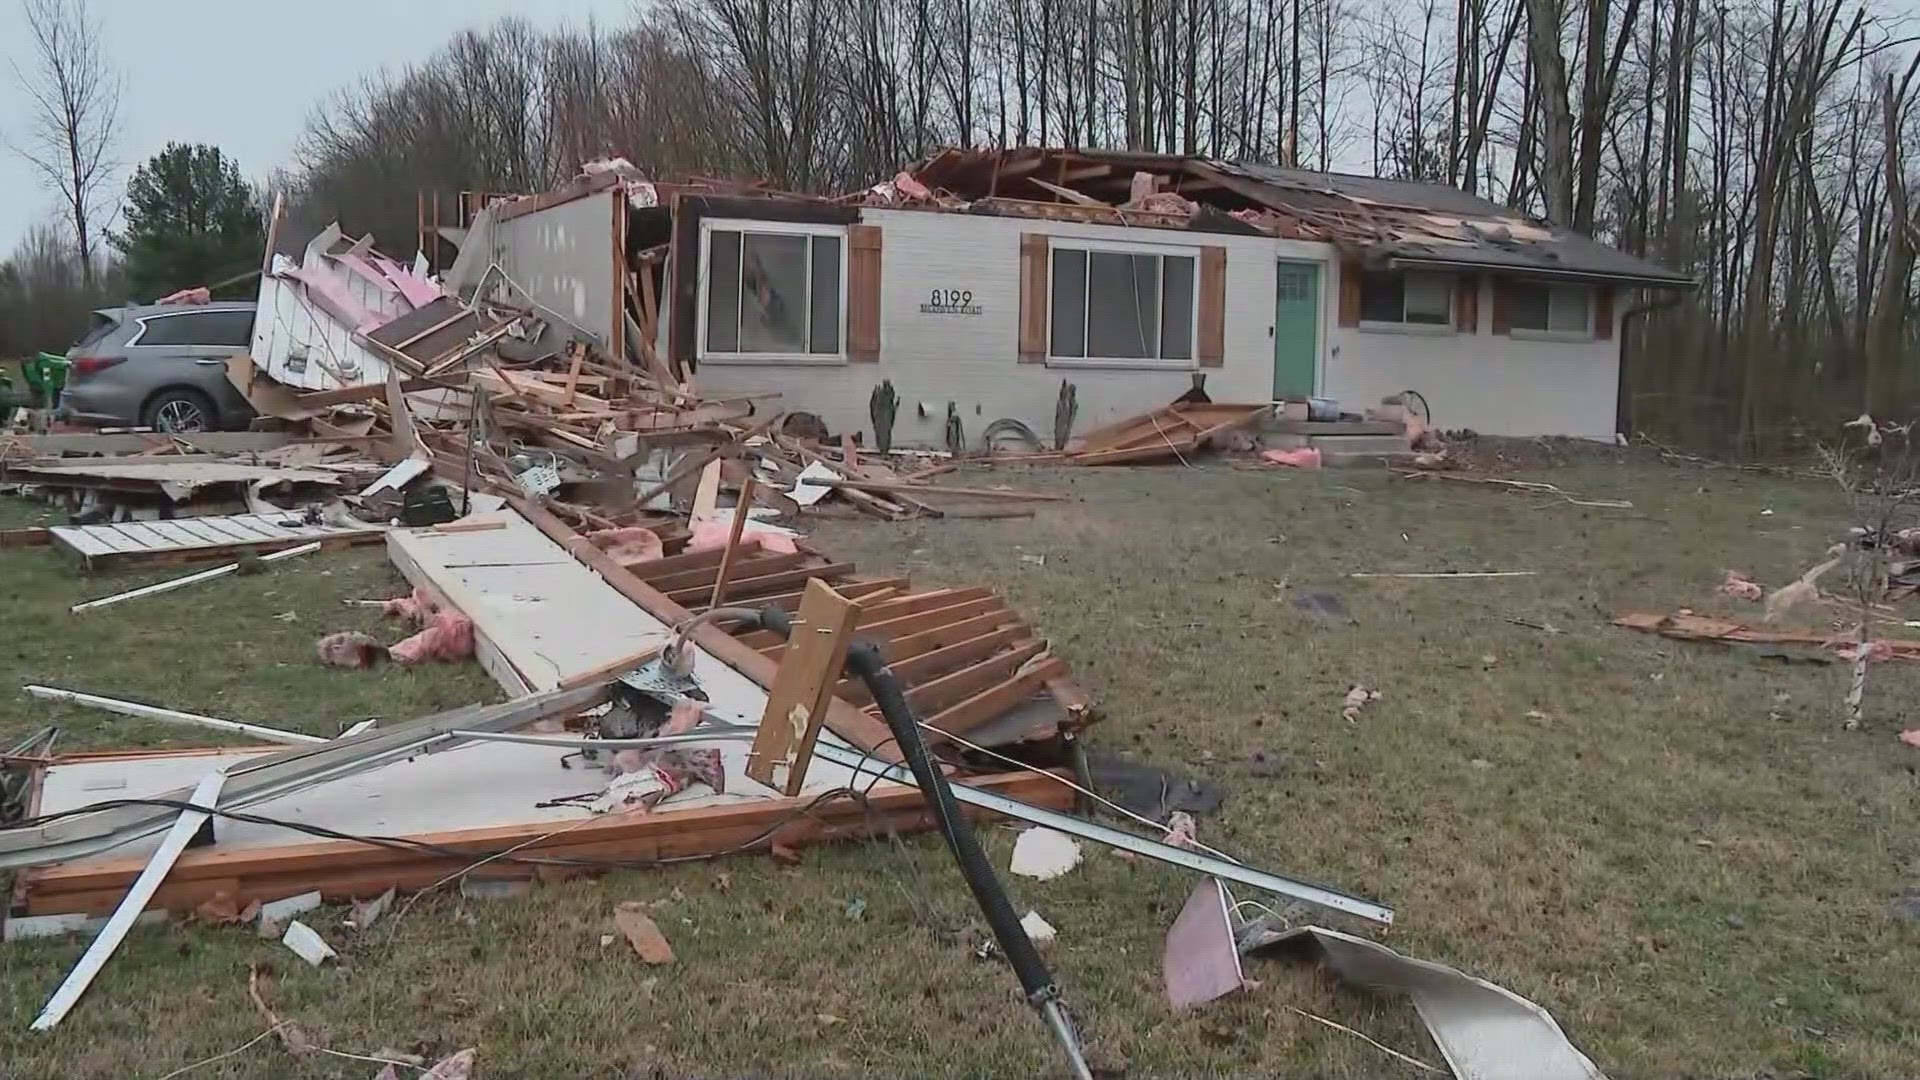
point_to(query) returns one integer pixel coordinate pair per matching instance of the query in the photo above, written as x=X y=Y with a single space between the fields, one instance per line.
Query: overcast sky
x=241 y=74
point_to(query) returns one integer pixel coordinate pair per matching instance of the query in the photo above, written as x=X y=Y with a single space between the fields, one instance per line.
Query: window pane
x=1569 y=312
x=773 y=293
x=1429 y=299
x=1123 y=305
x=1381 y=298
x=825 y=294
x=199 y=328
x=1176 y=308
x=1527 y=306
x=723 y=292
x=1069 y=307
x=230 y=328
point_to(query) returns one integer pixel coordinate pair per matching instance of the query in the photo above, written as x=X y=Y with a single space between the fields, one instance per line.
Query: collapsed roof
x=1393 y=223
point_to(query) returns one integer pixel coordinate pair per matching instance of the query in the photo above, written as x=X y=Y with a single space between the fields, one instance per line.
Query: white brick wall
x=1495 y=385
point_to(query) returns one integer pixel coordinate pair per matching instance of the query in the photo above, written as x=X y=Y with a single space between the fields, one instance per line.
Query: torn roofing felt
x=1388 y=223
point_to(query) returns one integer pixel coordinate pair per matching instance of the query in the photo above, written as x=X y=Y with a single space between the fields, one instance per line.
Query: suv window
x=98 y=328
x=215 y=329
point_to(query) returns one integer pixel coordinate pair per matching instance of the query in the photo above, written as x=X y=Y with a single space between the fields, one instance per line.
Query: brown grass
x=1691 y=886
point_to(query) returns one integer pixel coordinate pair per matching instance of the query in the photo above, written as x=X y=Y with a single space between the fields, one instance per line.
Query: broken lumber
x=930 y=489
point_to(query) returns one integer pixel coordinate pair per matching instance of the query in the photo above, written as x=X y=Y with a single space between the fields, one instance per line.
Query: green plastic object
x=46 y=375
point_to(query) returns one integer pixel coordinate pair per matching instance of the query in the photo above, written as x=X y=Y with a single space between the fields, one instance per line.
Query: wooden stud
x=802 y=689
x=706 y=497
x=741 y=507
x=746 y=587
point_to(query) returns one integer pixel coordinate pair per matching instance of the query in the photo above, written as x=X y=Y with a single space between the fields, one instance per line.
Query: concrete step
x=1338 y=459
x=1359 y=444
x=1332 y=427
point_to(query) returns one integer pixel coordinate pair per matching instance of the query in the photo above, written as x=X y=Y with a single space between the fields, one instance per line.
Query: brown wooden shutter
x=1350 y=293
x=1502 y=307
x=1033 y=298
x=863 y=293
x=1211 y=309
x=1603 y=313
x=1466 y=304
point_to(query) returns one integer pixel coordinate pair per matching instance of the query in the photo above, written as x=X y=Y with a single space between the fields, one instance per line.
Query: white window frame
x=1593 y=304
x=1074 y=243
x=709 y=226
x=1444 y=328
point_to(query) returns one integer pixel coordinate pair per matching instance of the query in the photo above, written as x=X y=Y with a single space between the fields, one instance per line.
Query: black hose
x=864 y=660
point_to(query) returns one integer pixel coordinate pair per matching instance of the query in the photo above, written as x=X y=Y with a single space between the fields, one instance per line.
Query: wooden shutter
x=863 y=293
x=1211 y=308
x=1502 y=307
x=1466 y=304
x=1033 y=298
x=1603 y=313
x=1350 y=292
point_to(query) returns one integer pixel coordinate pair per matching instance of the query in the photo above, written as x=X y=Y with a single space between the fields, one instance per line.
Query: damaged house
x=979 y=281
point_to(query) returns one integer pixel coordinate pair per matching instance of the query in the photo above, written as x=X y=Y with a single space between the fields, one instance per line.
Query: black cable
x=403 y=843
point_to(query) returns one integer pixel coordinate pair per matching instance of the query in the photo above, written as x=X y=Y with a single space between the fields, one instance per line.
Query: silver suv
x=159 y=367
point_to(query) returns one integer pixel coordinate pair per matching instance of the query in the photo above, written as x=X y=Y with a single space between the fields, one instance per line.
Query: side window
x=213 y=329
x=1110 y=305
x=774 y=293
x=233 y=328
x=1421 y=299
x=1560 y=309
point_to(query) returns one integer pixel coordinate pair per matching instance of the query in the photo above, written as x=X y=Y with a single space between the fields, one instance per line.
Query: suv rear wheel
x=181 y=410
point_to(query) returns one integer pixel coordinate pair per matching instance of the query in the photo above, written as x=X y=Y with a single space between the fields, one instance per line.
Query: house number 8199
x=950 y=302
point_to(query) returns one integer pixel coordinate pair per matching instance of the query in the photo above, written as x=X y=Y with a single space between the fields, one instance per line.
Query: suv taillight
x=84 y=367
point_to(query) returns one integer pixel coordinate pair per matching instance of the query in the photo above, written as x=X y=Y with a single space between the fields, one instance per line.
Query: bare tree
x=74 y=115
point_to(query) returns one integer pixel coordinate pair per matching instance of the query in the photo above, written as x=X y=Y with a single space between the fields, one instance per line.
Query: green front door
x=1296 y=328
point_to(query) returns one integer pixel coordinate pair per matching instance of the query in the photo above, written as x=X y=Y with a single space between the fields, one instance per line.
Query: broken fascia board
x=205 y=794
x=284 y=772
x=400 y=475
x=1486 y=1032
x=153 y=712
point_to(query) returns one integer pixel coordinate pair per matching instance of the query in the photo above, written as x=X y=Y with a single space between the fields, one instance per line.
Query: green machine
x=45 y=375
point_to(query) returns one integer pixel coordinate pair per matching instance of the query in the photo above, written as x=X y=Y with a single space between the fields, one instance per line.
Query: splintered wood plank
x=916 y=670
x=745 y=568
x=941 y=636
x=802 y=689
x=850 y=589
x=652 y=570
x=966 y=715
x=747 y=587
x=907 y=625
x=881 y=611
x=948 y=690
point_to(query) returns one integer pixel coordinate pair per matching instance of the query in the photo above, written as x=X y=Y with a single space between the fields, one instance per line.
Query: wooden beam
x=940 y=636
x=930 y=697
x=963 y=717
x=704 y=576
x=913 y=623
x=930 y=489
x=937 y=662
x=746 y=587
x=803 y=689
x=343 y=870
x=846 y=721
x=742 y=508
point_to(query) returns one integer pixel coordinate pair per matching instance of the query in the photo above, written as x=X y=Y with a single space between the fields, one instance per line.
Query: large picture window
x=1407 y=298
x=1121 y=305
x=774 y=291
x=1553 y=309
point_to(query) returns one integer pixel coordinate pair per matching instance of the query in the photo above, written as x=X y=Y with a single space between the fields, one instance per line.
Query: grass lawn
x=1673 y=848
